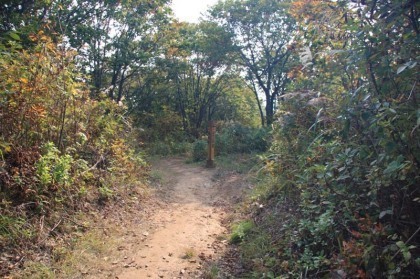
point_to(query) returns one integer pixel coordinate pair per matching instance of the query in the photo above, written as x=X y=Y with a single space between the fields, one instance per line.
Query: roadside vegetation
x=338 y=196
x=61 y=152
x=319 y=98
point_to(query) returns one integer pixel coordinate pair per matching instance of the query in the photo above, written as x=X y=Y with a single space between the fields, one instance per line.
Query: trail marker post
x=211 y=143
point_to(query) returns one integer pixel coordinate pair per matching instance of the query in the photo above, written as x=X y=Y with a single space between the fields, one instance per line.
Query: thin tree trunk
x=254 y=89
x=121 y=87
x=269 y=110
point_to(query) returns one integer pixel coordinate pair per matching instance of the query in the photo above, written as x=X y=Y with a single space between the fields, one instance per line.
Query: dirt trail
x=187 y=228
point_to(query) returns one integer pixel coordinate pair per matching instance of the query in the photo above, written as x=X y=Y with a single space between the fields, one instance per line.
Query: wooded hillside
x=326 y=92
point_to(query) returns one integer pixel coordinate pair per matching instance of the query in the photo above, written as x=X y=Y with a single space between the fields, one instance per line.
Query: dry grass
x=81 y=254
x=189 y=253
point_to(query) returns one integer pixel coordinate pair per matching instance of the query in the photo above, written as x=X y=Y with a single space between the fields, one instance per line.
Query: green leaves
x=418 y=117
x=14 y=36
x=261 y=32
x=384 y=213
x=395 y=166
x=52 y=168
x=356 y=174
x=240 y=231
x=407 y=65
x=405 y=250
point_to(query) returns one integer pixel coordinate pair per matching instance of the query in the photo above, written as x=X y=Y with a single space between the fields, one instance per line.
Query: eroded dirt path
x=187 y=228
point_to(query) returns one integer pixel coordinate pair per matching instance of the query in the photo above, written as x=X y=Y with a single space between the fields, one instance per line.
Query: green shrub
x=53 y=168
x=162 y=148
x=159 y=148
x=199 y=150
x=237 y=138
x=240 y=231
x=181 y=148
x=105 y=193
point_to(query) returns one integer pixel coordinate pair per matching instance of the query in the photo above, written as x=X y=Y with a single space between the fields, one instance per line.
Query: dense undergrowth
x=327 y=206
x=339 y=192
x=61 y=152
x=231 y=138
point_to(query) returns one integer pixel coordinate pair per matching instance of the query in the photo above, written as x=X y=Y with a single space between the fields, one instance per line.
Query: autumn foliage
x=338 y=193
x=58 y=147
x=341 y=193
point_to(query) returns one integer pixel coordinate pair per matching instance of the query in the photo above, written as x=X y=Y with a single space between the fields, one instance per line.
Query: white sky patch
x=191 y=10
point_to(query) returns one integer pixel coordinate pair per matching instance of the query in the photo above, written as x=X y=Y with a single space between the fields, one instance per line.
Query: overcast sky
x=191 y=10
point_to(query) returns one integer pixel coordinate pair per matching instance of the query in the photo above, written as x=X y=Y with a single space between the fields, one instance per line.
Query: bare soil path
x=188 y=227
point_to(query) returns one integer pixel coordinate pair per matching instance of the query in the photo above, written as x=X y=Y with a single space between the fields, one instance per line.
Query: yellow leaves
x=33 y=37
x=273 y=167
x=295 y=72
x=75 y=92
x=118 y=145
x=172 y=51
x=4 y=148
x=38 y=87
x=39 y=37
x=297 y=6
x=38 y=111
x=318 y=16
x=300 y=8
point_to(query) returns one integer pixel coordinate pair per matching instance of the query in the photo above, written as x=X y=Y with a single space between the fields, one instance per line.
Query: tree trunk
x=254 y=89
x=269 y=111
x=121 y=87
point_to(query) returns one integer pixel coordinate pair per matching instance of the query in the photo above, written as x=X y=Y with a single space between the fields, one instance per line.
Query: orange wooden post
x=211 y=143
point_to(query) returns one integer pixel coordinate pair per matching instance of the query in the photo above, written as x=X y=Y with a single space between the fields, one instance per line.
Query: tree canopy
x=263 y=37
